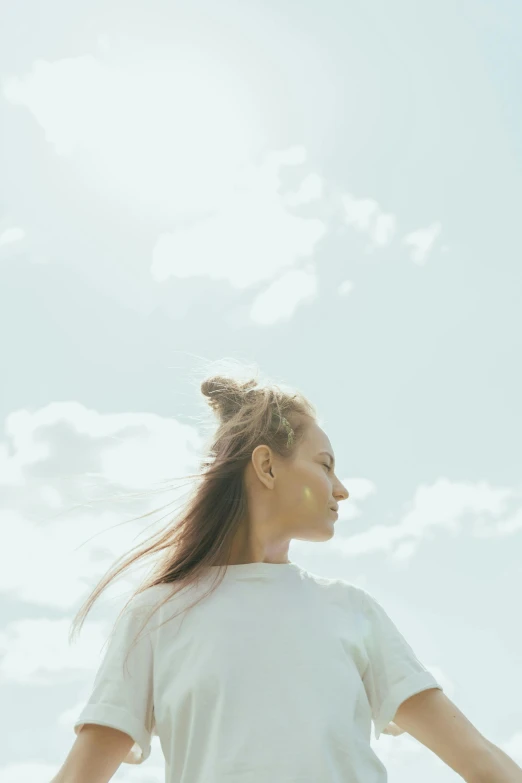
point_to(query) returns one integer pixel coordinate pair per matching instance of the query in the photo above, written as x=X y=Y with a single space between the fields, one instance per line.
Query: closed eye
x=326 y=465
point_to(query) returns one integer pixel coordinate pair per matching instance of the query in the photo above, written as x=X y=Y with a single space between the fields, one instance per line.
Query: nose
x=342 y=495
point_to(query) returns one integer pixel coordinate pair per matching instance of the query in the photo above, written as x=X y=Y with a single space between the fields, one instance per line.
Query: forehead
x=317 y=439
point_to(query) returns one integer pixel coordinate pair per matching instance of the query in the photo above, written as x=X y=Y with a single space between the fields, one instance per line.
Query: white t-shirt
x=275 y=676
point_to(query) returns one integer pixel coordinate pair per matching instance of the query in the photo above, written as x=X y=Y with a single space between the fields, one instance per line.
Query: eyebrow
x=329 y=455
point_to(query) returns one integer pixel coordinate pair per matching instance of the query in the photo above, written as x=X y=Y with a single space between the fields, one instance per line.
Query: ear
x=261 y=464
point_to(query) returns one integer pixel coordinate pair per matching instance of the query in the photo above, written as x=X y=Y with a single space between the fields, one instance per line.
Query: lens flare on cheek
x=308 y=496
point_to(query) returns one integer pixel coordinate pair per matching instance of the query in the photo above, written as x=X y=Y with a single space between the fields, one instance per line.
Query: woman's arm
x=498 y=767
x=95 y=756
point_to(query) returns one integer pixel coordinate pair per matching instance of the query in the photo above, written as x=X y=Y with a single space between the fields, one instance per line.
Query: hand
x=393 y=729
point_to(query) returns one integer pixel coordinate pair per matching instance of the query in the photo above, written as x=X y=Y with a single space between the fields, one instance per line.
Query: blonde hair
x=249 y=413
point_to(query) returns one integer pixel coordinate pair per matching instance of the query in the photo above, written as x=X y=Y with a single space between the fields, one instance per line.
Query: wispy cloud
x=254 y=236
x=422 y=241
x=366 y=216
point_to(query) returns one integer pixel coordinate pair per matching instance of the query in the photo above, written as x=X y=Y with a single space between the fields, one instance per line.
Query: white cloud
x=11 y=235
x=14 y=244
x=163 y=130
x=422 y=241
x=443 y=505
x=366 y=216
x=311 y=189
x=59 y=461
x=195 y=131
x=281 y=299
x=359 y=212
x=170 y=134
x=360 y=489
x=383 y=229
x=37 y=651
x=253 y=237
x=345 y=288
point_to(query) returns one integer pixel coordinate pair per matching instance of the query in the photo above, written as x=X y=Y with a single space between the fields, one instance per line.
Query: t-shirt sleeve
x=122 y=693
x=394 y=673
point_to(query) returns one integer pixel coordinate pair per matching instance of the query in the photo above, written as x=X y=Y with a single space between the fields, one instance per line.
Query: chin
x=329 y=531
x=331 y=534
x=324 y=534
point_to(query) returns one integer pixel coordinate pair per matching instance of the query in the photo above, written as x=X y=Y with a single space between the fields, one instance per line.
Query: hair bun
x=226 y=395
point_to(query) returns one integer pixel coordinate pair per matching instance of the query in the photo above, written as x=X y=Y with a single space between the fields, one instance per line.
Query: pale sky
x=329 y=190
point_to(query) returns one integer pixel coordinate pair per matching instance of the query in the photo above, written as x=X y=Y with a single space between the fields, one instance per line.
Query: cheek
x=315 y=489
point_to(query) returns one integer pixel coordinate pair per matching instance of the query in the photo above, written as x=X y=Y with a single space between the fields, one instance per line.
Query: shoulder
x=338 y=589
x=144 y=602
x=150 y=596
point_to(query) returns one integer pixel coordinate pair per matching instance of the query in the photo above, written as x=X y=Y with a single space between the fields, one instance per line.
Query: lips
x=334 y=508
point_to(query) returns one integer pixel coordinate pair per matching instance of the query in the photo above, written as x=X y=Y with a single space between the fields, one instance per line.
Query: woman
x=273 y=674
